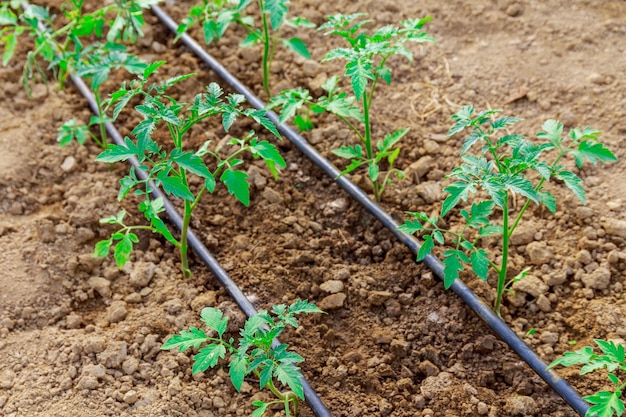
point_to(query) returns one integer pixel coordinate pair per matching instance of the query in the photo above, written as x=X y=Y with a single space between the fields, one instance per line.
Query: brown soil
x=80 y=338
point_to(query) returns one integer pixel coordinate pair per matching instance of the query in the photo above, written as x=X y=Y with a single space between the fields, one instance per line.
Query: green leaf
x=214 y=319
x=548 y=200
x=480 y=213
x=426 y=248
x=391 y=140
x=359 y=71
x=268 y=152
x=490 y=230
x=303 y=306
x=411 y=226
x=237 y=371
x=458 y=191
x=452 y=266
x=373 y=171
x=287 y=374
x=173 y=185
x=237 y=185
x=298 y=46
x=605 y=404
x=207 y=357
x=260 y=411
x=572 y=181
x=580 y=356
x=552 y=131
x=480 y=263
x=151 y=68
x=191 y=162
x=72 y=130
x=116 y=153
x=614 y=352
x=185 y=339
x=210 y=183
x=122 y=250
x=101 y=250
x=277 y=10
x=10 y=41
x=593 y=152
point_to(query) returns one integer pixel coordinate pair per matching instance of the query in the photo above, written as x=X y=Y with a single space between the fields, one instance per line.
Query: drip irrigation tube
x=316 y=404
x=559 y=385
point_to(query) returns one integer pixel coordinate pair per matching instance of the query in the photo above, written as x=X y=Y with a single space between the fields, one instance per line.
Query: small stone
x=599 y=279
x=543 y=303
x=130 y=365
x=486 y=344
x=332 y=286
x=584 y=257
x=101 y=286
x=342 y=274
x=615 y=227
x=568 y=119
x=68 y=164
x=336 y=206
x=405 y=384
x=73 y=321
x=7 y=378
x=521 y=405
x=131 y=397
x=382 y=336
x=428 y=368
x=584 y=212
x=88 y=382
x=434 y=386
x=524 y=234
x=420 y=168
x=133 y=298
x=117 y=311
x=596 y=78
x=531 y=285
x=272 y=196
x=114 y=355
x=539 y=253
x=399 y=348
x=173 y=306
x=352 y=356
x=332 y=302
x=93 y=344
x=549 y=338
x=310 y=68
x=393 y=308
x=158 y=47
x=514 y=10
x=482 y=409
x=142 y=274
x=218 y=402
x=206 y=299
x=555 y=278
x=429 y=191
x=96 y=371
x=255 y=176
x=378 y=298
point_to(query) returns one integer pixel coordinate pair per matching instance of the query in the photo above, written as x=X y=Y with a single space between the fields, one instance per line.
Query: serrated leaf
x=237 y=370
x=122 y=251
x=185 y=339
x=458 y=191
x=593 y=152
x=287 y=374
x=391 y=140
x=237 y=185
x=452 y=266
x=116 y=153
x=214 y=319
x=268 y=152
x=438 y=236
x=606 y=404
x=191 y=162
x=101 y=250
x=173 y=185
x=426 y=248
x=521 y=185
x=480 y=263
x=411 y=226
x=210 y=183
x=552 y=131
x=359 y=71
x=480 y=213
x=277 y=10
x=580 y=356
x=349 y=152
x=614 y=352
x=548 y=200
x=260 y=411
x=303 y=306
x=490 y=230
x=298 y=46
x=373 y=170
x=572 y=181
x=207 y=357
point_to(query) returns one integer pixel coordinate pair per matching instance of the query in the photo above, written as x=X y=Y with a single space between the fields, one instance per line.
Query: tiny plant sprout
x=170 y=170
x=254 y=353
x=606 y=403
x=505 y=167
x=216 y=15
x=367 y=58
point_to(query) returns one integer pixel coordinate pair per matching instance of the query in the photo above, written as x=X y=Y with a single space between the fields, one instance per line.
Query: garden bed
x=79 y=337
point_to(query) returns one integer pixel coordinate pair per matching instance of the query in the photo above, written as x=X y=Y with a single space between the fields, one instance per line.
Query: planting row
x=500 y=168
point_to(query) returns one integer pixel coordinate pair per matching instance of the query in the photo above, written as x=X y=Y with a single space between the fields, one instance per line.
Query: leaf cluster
x=254 y=353
x=604 y=403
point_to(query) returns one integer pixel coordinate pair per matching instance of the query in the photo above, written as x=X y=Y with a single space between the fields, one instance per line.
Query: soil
x=78 y=337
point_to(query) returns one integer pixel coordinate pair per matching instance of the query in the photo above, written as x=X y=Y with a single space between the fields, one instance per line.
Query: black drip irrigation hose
x=316 y=404
x=559 y=385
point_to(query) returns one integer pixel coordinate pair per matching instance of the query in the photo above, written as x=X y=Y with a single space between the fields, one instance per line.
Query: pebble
x=158 y=47
x=131 y=397
x=7 y=378
x=73 y=321
x=615 y=227
x=94 y=344
x=342 y=274
x=142 y=274
x=599 y=279
x=524 y=234
x=531 y=285
x=550 y=338
x=332 y=302
x=336 y=206
x=114 y=355
x=96 y=371
x=539 y=253
x=429 y=191
x=130 y=365
x=584 y=257
x=332 y=286
x=568 y=118
x=434 y=386
x=256 y=177
x=420 y=168
x=68 y=164
x=218 y=402
x=521 y=405
x=272 y=196
x=378 y=298
x=584 y=212
x=88 y=382
x=543 y=303
x=100 y=285
x=482 y=409
x=117 y=311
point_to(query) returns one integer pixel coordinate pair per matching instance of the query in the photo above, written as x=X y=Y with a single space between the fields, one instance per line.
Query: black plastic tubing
x=199 y=248
x=467 y=295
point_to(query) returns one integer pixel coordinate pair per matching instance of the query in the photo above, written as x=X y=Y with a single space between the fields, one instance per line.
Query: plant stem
x=184 y=259
x=368 y=141
x=505 y=256
x=266 y=51
x=102 y=141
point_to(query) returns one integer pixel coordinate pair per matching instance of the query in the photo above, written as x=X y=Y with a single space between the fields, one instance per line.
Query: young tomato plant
x=507 y=165
x=61 y=46
x=367 y=57
x=254 y=353
x=170 y=170
x=604 y=403
x=216 y=15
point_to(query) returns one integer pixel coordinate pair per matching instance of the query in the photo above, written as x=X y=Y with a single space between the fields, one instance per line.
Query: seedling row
x=493 y=179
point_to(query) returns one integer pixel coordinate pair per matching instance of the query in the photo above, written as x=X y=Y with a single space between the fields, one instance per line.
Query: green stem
x=505 y=256
x=266 y=51
x=184 y=246
x=103 y=135
x=368 y=141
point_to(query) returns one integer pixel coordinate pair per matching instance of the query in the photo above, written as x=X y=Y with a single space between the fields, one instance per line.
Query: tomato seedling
x=254 y=354
x=603 y=403
x=170 y=170
x=367 y=56
x=506 y=166
x=216 y=15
